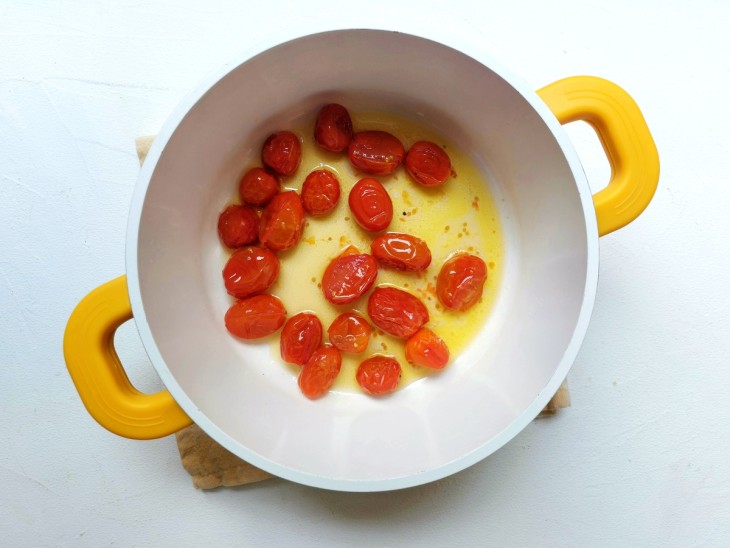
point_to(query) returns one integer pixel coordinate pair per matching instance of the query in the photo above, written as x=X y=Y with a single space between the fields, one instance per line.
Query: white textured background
x=641 y=459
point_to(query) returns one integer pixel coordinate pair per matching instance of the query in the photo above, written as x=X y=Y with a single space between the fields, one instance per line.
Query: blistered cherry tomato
x=320 y=192
x=401 y=252
x=371 y=205
x=238 y=225
x=376 y=152
x=320 y=371
x=282 y=152
x=255 y=317
x=427 y=349
x=460 y=282
x=428 y=163
x=378 y=375
x=302 y=335
x=250 y=270
x=349 y=332
x=282 y=222
x=257 y=187
x=396 y=311
x=348 y=277
x=333 y=130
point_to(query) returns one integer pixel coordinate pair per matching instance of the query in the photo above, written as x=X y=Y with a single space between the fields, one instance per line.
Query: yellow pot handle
x=625 y=138
x=88 y=346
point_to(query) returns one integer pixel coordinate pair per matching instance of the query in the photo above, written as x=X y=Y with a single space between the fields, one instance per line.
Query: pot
x=346 y=441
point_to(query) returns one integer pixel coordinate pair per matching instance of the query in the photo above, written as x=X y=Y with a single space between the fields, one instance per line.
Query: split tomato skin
x=320 y=372
x=320 y=192
x=371 y=205
x=250 y=270
x=376 y=152
x=349 y=332
x=282 y=222
x=427 y=349
x=282 y=152
x=257 y=187
x=397 y=312
x=333 y=130
x=238 y=225
x=460 y=282
x=301 y=336
x=348 y=277
x=255 y=317
x=428 y=164
x=401 y=252
x=378 y=375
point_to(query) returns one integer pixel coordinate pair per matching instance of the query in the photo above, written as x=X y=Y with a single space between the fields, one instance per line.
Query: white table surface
x=640 y=459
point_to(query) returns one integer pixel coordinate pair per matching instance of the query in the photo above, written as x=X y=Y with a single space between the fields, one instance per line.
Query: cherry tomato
x=320 y=371
x=282 y=222
x=282 y=152
x=238 y=225
x=349 y=332
x=255 y=317
x=427 y=349
x=348 y=277
x=333 y=130
x=401 y=252
x=378 y=375
x=428 y=164
x=461 y=281
x=320 y=192
x=302 y=335
x=376 y=152
x=371 y=205
x=250 y=270
x=396 y=311
x=257 y=187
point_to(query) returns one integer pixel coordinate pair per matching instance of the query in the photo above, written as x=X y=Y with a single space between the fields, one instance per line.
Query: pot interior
x=238 y=392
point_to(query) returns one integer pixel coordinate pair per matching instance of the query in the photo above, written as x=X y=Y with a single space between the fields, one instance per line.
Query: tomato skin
x=301 y=336
x=428 y=164
x=378 y=375
x=376 y=152
x=333 y=130
x=348 y=277
x=320 y=371
x=371 y=205
x=250 y=270
x=396 y=312
x=427 y=349
x=255 y=317
x=320 y=192
x=282 y=152
x=349 y=332
x=282 y=222
x=401 y=252
x=257 y=187
x=238 y=225
x=460 y=282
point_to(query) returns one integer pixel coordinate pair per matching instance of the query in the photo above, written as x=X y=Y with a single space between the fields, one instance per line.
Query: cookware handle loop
x=105 y=389
x=625 y=137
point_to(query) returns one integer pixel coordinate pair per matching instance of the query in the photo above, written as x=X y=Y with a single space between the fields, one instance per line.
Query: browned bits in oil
x=453 y=173
x=310 y=240
x=414 y=211
x=319 y=286
x=458 y=235
x=491 y=264
x=470 y=248
x=329 y=238
x=347 y=218
x=406 y=198
x=343 y=240
x=447 y=228
x=314 y=280
x=383 y=346
x=401 y=219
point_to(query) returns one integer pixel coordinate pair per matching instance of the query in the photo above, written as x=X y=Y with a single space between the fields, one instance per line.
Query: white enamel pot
x=346 y=441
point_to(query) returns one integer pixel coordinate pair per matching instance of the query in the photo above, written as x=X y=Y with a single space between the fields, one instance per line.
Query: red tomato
x=427 y=349
x=282 y=152
x=401 y=252
x=282 y=222
x=302 y=335
x=461 y=281
x=348 y=277
x=376 y=152
x=396 y=311
x=428 y=164
x=333 y=130
x=320 y=192
x=255 y=317
x=349 y=332
x=371 y=205
x=257 y=187
x=238 y=225
x=320 y=371
x=250 y=270
x=378 y=375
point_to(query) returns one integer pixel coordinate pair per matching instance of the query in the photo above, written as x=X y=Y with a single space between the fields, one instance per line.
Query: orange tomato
x=320 y=192
x=320 y=371
x=371 y=205
x=348 y=277
x=378 y=375
x=250 y=270
x=255 y=317
x=282 y=152
x=257 y=187
x=427 y=349
x=401 y=252
x=376 y=152
x=396 y=311
x=282 y=222
x=301 y=336
x=238 y=225
x=333 y=130
x=428 y=163
x=349 y=332
x=460 y=282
